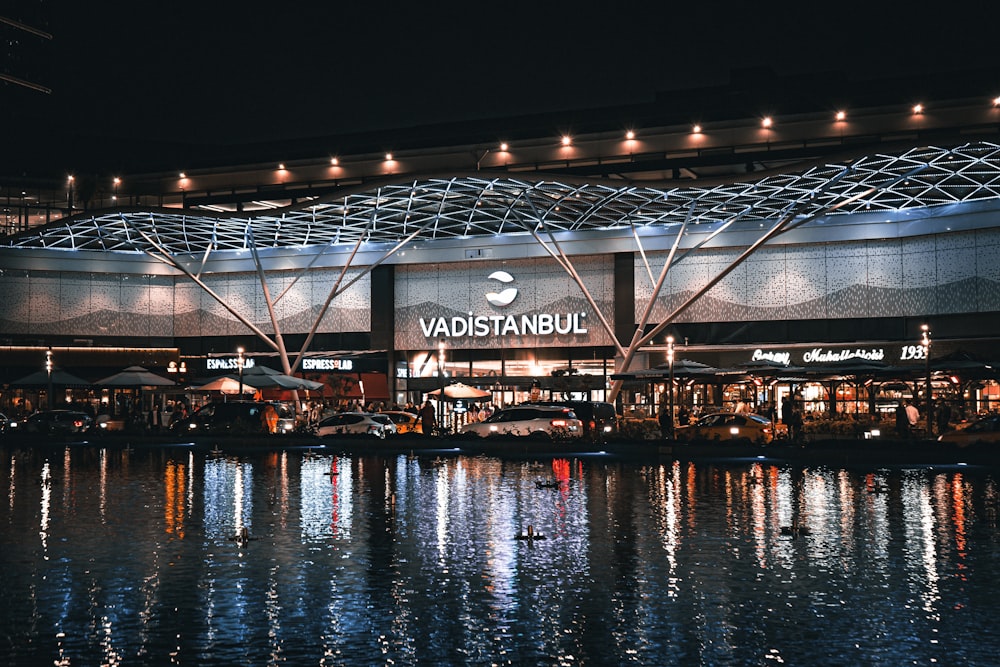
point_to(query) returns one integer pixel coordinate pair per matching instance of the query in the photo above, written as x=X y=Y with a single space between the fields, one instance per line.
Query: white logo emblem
x=506 y=296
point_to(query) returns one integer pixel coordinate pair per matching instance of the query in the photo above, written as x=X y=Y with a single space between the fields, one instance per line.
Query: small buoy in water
x=794 y=530
x=531 y=535
x=242 y=536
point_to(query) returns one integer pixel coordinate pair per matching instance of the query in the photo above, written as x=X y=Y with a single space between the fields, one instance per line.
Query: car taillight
x=558 y=422
x=78 y=423
x=592 y=424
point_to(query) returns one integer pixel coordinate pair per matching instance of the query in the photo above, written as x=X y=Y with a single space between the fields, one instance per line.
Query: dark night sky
x=224 y=72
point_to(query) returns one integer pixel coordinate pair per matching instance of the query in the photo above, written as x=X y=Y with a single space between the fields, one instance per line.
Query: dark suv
x=234 y=417
x=600 y=421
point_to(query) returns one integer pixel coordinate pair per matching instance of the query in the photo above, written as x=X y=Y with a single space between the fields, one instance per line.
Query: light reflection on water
x=135 y=557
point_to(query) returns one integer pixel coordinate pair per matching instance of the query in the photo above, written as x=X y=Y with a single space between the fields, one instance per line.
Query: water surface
x=116 y=557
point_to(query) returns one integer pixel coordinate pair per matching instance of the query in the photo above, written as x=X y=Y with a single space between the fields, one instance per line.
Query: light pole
x=926 y=343
x=239 y=366
x=670 y=395
x=441 y=384
x=48 y=369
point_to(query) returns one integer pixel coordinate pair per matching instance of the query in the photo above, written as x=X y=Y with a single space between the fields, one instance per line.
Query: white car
x=555 y=423
x=356 y=423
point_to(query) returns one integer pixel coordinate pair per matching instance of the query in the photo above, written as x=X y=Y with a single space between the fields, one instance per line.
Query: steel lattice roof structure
x=461 y=205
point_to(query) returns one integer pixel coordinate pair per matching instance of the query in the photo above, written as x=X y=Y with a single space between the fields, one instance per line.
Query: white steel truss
x=460 y=206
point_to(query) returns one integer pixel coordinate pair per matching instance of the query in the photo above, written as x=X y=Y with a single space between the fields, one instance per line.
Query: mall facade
x=540 y=265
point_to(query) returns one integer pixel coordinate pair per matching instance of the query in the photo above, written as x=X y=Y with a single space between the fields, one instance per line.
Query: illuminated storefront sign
x=327 y=364
x=227 y=363
x=481 y=326
x=819 y=355
x=477 y=326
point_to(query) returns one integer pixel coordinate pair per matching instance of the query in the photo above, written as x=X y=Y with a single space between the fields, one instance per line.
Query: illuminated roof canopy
x=460 y=205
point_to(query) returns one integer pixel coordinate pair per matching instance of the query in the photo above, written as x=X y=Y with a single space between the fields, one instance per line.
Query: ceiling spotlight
x=334 y=162
x=567 y=140
x=766 y=121
x=388 y=157
x=841 y=115
x=696 y=129
x=996 y=101
x=630 y=135
x=918 y=108
x=182 y=175
x=281 y=166
x=503 y=146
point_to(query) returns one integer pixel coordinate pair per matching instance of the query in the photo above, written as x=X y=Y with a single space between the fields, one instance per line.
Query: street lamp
x=670 y=396
x=926 y=343
x=441 y=383
x=239 y=366
x=48 y=369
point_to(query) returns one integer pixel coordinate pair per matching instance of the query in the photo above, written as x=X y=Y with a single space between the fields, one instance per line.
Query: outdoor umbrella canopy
x=268 y=378
x=135 y=376
x=459 y=390
x=683 y=367
x=59 y=377
x=227 y=385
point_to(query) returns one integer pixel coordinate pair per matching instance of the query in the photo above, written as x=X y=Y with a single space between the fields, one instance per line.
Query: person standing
x=943 y=417
x=902 y=421
x=912 y=414
x=427 y=418
x=666 y=422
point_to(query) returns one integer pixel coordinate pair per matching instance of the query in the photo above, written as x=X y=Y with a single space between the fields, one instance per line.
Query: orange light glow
x=567 y=140
x=767 y=121
x=841 y=115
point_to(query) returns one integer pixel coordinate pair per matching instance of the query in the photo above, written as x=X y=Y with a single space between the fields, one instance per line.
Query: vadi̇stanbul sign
x=480 y=326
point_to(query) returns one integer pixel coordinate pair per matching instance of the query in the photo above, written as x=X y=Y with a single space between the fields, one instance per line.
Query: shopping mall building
x=537 y=254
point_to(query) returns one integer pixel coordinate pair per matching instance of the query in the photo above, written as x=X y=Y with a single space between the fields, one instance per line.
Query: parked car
x=356 y=423
x=56 y=421
x=230 y=417
x=985 y=430
x=542 y=421
x=5 y=423
x=728 y=427
x=600 y=419
x=406 y=422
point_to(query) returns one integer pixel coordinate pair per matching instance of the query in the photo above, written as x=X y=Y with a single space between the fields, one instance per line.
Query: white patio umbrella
x=226 y=385
x=135 y=376
x=459 y=390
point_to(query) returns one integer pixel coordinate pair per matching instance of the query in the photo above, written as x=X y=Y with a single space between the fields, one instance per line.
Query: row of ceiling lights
x=566 y=140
